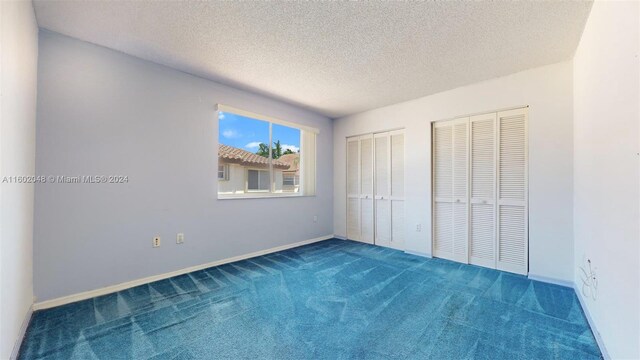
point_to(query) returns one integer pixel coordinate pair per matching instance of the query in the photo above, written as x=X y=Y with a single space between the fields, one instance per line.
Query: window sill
x=259 y=196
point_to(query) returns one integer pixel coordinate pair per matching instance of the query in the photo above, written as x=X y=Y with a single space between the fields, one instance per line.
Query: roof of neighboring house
x=238 y=156
x=292 y=160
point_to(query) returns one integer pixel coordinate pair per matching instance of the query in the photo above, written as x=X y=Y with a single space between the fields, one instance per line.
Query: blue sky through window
x=246 y=133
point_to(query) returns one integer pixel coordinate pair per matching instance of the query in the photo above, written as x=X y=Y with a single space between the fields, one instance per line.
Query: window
x=223 y=172
x=258 y=180
x=262 y=156
x=289 y=180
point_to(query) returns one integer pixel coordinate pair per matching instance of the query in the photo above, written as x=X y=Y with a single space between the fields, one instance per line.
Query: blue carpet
x=330 y=300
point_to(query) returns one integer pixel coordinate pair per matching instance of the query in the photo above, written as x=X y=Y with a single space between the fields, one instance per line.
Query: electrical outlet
x=315 y=218
x=180 y=238
x=418 y=227
x=156 y=241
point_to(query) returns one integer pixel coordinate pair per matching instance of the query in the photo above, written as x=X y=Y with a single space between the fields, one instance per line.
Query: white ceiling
x=336 y=58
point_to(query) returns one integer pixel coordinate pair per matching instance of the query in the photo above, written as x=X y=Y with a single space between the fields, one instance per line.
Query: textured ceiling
x=336 y=58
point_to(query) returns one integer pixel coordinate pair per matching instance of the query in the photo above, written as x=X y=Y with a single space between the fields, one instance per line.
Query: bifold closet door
x=353 y=188
x=450 y=212
x=375 y=189
x=482 y=239
x=366 y=189
x=512 y=218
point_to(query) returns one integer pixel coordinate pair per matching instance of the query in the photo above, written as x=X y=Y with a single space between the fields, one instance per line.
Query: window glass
x=286 y=148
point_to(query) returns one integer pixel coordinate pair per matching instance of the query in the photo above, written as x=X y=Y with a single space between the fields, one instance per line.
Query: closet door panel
x=397 y=154
x=383 y=222
x=382 y=165
x=353 y=189
x=382 y=175
x=397 y=224
x=482 y=249
x=397 y=164
x=512 y=191
x=366 y=189
x=366 y=218
x=482 y=243
x=443 y=170
x=353 y=219
x=460 y=189
x=443 y=230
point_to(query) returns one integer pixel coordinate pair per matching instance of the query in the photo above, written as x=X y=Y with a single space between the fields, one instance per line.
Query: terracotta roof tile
x=292 y=160
x=246 y=158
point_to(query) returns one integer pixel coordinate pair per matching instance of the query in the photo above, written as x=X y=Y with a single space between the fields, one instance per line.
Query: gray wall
x=18 y=74
x=101 y=112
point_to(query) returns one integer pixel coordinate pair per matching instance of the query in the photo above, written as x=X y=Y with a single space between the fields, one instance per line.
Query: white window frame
x=252 y=194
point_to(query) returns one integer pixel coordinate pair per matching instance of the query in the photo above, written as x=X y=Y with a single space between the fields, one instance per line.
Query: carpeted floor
x=330 y=300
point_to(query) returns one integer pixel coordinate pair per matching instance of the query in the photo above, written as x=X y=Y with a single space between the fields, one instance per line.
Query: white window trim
x=249 y=114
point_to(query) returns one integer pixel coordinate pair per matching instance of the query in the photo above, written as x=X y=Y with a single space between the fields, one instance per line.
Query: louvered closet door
x=353 y=189
x=397 y=189
x=443 y=190
x=460 y=189
x=482 y=242
x=382 y=189
x=512 y=224
x=451 y=237
x=366 y=189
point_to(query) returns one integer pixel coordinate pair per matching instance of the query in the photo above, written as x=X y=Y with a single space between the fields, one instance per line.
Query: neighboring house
x=241 y=171
x=291 y=175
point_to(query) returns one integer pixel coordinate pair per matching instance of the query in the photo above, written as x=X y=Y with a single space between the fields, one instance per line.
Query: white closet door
x=460 y=190
x=382 y=189
x=443 y=235
x=397 y=189
x=366 y=189
x=512 y=191
x=353 y=188
x=482 y=249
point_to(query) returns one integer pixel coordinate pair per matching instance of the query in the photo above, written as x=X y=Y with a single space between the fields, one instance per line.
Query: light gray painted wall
x=606 y=168
x=18 y=74
x=548 y=92
x=102 y=112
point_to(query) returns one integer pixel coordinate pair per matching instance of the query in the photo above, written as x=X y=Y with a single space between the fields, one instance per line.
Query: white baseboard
x=341 y=237
x=129 y=284
x=592 y=324
x=23 y=331
x=550 y=280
